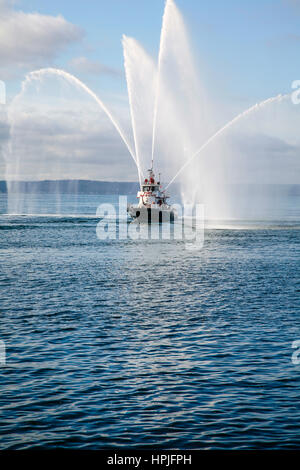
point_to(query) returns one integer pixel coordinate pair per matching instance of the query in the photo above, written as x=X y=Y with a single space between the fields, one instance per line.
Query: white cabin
x=151 y=194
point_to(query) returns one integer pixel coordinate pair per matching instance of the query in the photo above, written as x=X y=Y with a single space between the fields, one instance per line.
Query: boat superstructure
x=152 y=203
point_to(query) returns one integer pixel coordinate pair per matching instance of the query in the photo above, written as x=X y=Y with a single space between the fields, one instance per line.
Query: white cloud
x=29 y=40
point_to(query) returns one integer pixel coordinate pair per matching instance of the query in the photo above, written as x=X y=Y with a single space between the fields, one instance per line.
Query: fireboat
x=152 y=206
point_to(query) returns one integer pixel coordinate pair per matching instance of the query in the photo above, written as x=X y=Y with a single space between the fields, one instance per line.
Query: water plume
x=38 y=74
x=140 y=73
x=181 y=115
x=245 y=113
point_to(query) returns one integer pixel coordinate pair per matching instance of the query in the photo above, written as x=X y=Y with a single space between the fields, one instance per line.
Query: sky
x=245 y=51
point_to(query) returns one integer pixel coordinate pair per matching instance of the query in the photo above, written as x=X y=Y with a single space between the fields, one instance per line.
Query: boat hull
x=152 y=215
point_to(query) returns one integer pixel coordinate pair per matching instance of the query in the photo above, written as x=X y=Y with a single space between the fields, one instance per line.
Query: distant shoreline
x=128 y=187
x=73 y=186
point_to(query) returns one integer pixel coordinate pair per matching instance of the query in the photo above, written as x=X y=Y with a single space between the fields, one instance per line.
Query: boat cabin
x=151 y=193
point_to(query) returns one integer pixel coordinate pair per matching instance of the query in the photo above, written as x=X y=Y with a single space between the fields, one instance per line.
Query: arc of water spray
x=155 y=109
x=130 y=97
x=79 y=83
x=224 y=128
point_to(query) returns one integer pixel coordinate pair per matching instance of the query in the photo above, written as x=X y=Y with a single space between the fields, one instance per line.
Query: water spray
x=38 y=74
x=158 y=80
x=255 y=107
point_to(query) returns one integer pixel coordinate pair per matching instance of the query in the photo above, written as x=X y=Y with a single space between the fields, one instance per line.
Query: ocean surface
x=143 y=343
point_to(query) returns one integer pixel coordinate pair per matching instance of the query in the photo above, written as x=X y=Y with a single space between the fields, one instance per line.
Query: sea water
x=143 y=343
